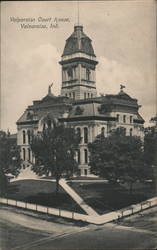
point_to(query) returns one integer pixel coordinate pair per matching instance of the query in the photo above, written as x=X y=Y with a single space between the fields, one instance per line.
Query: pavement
x=29 y=231
x=77 y=198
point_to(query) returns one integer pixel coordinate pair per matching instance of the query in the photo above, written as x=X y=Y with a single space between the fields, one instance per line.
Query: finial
x=121 y=87
x=78 y=12
x=49 y=89
x=8 y=132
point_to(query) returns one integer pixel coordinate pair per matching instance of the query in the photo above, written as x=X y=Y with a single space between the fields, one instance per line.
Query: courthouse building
x=78 y=105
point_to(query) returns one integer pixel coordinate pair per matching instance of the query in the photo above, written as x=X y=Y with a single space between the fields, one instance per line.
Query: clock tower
x=78 y=66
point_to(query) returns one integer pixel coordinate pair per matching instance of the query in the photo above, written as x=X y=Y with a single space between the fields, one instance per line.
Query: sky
x=123 y=35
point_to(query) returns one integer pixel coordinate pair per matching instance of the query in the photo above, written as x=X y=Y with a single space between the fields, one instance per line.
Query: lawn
x=42 y=193
x=106 y=197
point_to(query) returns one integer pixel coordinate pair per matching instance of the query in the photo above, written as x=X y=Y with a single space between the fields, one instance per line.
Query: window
x=124 y=118
x=70 y=73
x=130 y=119
x=84 y=95
x=117 y=117
x=78 y=156
x=66 y=95
x=73 y=95
x=24 y=154
x=88 y=95
x=78 y=130
x=131 y=132
x=124 y=131
x=70 y=95
x=29 y=136
x=103 y=131
x=85 y=135
x=29 y=154
x=91 y=95
x=87 y=74
x=85 y=156
x=24 y=137
x=85 y=171
x=49 y=123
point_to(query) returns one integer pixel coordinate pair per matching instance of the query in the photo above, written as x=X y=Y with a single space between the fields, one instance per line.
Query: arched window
x=84 y=95
x=88 y=95
x=24 y=136
x=78 y=131
x=131 y=132
x=70 y=95
x=70 y=74
x=103 y=131
x=117 y=117
x=73 y=95
x=124 y=118
x=29 y=154
x=88 y=74
x=91 y=95
x=29 y=136
x=49 y=123
x=85 y=135
x=131 y=119
x=85 y=156
x=78 y=156
x=124 y=131
x=24 y=154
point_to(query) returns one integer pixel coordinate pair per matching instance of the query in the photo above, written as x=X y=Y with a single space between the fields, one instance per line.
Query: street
x=21 y=231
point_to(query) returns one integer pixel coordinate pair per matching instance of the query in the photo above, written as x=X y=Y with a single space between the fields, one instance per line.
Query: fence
x=100 y=219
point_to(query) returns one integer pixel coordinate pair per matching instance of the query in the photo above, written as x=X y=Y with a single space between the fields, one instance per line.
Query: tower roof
x=78 y=42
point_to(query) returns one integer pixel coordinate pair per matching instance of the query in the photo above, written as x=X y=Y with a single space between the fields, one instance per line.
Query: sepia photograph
x=78 y=125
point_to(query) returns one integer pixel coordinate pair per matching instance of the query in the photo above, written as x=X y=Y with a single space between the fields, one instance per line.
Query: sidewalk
x=77 y=198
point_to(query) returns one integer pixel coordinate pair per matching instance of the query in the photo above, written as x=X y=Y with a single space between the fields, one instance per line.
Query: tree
x=118 y=157
x=150 y=153
x=55 y=152
x=10 y=162
x=150 y=146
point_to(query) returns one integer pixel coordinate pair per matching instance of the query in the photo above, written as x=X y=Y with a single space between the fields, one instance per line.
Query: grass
x=106 y=197
x=42 y=193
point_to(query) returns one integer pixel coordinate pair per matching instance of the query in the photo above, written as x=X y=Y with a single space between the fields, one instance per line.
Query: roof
x=50 y=104
x=98 y=108
x=78 y=42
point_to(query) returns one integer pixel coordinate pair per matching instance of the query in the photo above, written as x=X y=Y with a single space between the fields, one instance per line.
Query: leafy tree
x=118 y=157
x=54 y=150
x=9 y=159
x=150 y=153
x=150 y=146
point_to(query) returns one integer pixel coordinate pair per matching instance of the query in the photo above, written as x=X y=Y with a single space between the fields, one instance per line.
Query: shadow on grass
x=110 y=197
x=42 y=193
x=60 y=200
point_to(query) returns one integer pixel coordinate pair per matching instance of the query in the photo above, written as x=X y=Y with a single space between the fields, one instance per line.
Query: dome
x=78 y=42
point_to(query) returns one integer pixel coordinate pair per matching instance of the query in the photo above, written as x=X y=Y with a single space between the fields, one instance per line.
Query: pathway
x=77 y=198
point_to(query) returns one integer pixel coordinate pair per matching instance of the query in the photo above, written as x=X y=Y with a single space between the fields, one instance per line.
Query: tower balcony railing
x=87 y=81
x=70 y=81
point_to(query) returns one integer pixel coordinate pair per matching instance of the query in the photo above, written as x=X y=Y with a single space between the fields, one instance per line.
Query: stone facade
x=78 y=105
